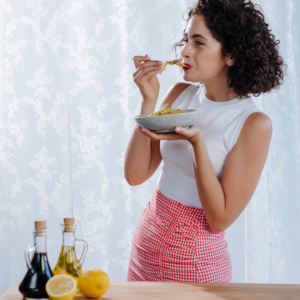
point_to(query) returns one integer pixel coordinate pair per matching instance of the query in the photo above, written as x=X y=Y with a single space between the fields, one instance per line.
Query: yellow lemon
x=93 y=283
x=61 y=287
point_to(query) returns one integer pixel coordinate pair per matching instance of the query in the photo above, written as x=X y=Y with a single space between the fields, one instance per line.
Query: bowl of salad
x=166 y=120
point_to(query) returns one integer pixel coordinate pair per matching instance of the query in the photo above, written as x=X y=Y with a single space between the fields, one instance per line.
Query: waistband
x=171 y=210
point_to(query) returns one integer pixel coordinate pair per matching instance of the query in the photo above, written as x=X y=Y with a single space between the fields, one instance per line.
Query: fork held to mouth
x=173 y=62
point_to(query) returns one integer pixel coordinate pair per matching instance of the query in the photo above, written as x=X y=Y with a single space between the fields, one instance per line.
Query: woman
x=210 y=170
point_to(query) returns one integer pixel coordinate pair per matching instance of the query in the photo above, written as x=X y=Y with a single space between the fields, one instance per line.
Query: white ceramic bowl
x=167 y=123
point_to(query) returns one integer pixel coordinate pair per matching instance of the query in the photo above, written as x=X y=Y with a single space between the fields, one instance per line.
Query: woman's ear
x=229 y=61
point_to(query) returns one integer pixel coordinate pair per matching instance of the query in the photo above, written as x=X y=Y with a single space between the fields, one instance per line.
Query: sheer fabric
x=66 y=116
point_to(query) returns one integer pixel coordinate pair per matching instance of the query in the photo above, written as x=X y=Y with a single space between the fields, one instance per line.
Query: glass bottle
x=67 y=262
x=39 y=271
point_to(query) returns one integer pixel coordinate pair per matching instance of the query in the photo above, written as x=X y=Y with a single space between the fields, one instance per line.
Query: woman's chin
x=185 y=77
x=190 y=78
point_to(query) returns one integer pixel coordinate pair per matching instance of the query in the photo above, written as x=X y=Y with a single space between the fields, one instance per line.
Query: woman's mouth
x=188 y=66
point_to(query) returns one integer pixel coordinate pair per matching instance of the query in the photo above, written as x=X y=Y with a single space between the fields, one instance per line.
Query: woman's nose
x=186 y=51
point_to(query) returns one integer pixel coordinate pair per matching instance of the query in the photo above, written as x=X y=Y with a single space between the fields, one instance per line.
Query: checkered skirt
x=173 y=242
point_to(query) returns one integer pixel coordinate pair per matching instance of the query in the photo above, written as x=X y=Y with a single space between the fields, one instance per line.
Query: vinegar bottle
x=39 y=271
x=67 y=262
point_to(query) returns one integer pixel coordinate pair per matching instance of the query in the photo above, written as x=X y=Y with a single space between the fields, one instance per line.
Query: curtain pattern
x=66 y=116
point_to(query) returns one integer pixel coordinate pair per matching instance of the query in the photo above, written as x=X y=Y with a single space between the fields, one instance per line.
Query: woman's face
x=202 y=52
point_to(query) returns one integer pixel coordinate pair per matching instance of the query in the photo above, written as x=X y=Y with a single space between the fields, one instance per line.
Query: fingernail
x=177 y=129
x=143 y=129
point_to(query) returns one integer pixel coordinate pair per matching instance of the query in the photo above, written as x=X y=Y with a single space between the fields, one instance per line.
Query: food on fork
x=167 y=111
x=176 y=62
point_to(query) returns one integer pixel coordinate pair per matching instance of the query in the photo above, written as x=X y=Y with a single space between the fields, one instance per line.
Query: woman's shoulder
x=180 y=86
x=257 y=127
x=259 y=121
x=174 y=91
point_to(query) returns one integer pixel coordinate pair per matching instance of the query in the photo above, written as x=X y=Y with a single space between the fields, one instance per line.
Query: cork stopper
x=69 y=224
x=40 y=226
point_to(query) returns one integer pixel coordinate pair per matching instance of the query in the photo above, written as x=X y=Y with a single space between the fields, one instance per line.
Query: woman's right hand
x=145 y=77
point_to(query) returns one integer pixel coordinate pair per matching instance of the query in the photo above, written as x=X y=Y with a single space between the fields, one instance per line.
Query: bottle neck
x=68 y=238
x=40 y=241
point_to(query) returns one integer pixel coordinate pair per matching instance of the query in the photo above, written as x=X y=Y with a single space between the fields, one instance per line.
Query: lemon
x=93 y=283
x=61 y=287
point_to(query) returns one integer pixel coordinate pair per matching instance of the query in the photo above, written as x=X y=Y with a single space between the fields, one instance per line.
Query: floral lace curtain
x=66 y=116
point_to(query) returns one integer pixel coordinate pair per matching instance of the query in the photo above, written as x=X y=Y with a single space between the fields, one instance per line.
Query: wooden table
x=186 y=291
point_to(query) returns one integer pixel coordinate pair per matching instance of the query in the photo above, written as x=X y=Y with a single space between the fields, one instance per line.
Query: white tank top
x=220 y=123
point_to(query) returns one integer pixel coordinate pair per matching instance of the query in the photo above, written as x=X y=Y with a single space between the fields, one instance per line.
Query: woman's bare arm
x=142 y=156
x=223 y=201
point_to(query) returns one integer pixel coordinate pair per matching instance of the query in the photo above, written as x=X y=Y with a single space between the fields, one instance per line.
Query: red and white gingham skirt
x=173 y=242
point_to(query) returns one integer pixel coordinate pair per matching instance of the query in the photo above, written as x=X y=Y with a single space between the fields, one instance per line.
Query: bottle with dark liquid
x=39 y=271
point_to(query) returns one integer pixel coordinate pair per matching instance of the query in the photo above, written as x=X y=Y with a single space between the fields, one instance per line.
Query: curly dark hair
x=245 y=36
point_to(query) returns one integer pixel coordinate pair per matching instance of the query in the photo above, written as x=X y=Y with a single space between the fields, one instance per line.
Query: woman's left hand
x=192 y=134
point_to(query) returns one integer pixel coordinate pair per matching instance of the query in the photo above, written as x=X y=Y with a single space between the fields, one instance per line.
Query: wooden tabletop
x=186 y=291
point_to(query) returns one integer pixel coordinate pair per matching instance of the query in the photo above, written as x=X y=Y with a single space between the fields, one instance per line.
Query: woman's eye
x=183 y=42
x=198 y=43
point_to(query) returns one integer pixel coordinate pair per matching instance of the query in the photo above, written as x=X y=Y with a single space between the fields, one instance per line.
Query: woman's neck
x=217 y=90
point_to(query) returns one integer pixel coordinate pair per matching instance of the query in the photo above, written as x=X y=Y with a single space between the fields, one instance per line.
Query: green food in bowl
x=167 y=111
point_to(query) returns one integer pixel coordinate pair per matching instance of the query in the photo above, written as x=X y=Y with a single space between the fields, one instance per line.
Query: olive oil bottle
x=67 y=262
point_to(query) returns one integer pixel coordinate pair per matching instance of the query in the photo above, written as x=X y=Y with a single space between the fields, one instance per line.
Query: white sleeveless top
x=220 y=123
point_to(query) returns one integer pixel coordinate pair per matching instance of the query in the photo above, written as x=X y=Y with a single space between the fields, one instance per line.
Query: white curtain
x=66 y=115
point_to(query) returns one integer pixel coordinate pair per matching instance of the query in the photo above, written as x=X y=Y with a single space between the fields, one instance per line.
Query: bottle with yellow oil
x=67 y=262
